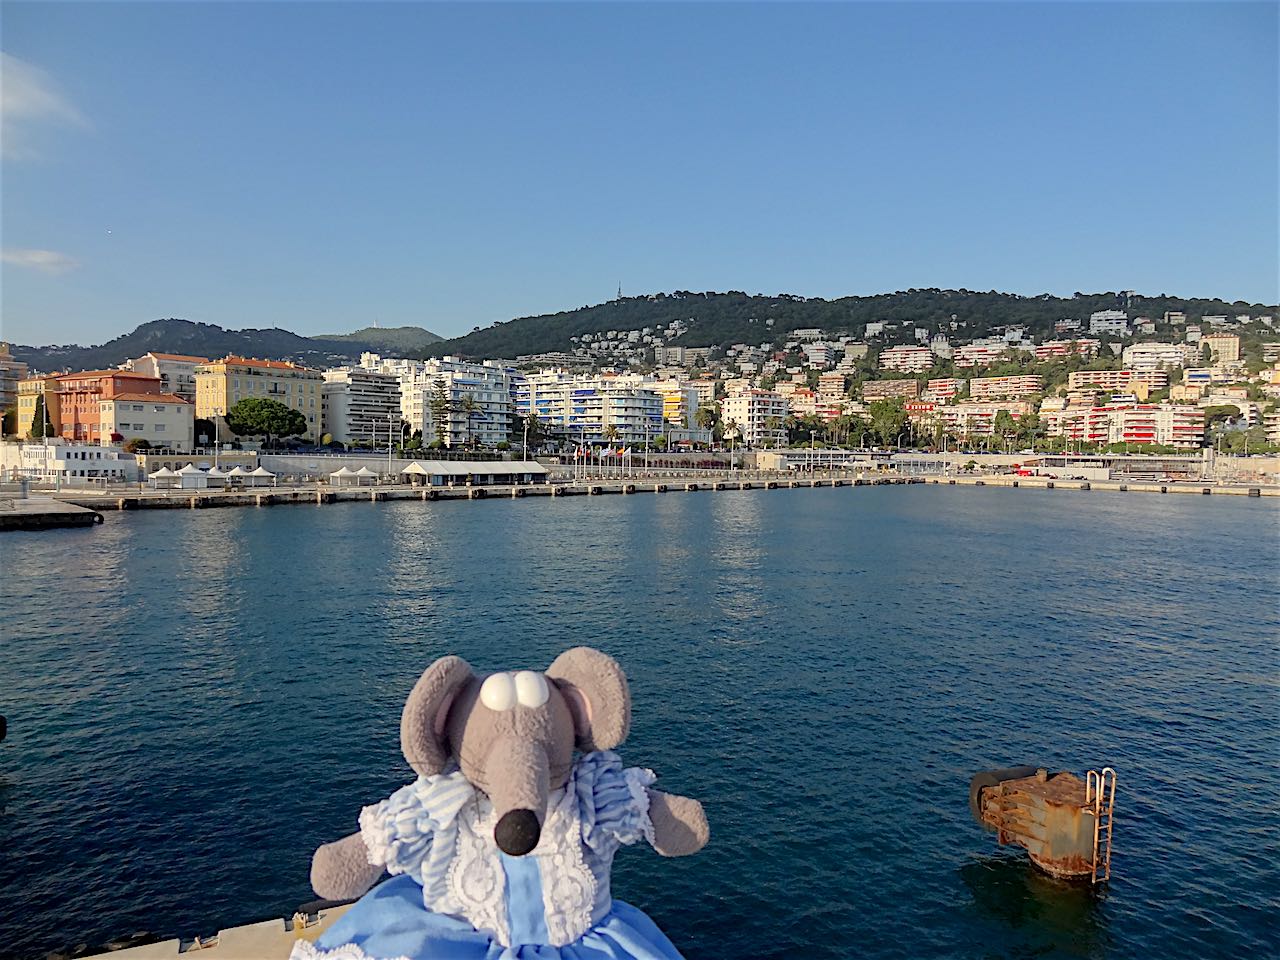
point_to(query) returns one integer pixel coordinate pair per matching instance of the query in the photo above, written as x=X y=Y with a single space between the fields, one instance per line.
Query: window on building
x=159 y=428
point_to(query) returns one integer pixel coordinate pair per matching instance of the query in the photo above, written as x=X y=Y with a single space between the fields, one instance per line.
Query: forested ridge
x=721 y=319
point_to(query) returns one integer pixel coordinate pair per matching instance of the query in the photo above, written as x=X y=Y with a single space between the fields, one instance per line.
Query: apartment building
x=39 y=393
x=885 y=389
x=1271 y=424
x=360 y=406
x=759 y=415
x=1225 y=346
x=980 y=353
x=162 y=419
x=1109 y=322
x=221 y=384
x=1112 y=380
x=977 y=419
x=81 y=395
x=11 y=373
x=1165 y=424
x=991 y=388
x=176 y=371
x=1154 y=356
x=478 y=397
x=943 y=388
x=1055 y=349
x=831 y=387
x=906 y=359
x=593 y=409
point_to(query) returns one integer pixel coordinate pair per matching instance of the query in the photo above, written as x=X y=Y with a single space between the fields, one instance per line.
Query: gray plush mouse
x=502 y=847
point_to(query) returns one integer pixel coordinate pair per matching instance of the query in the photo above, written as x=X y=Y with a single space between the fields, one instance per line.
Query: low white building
x=67 y=464
x=164 y=420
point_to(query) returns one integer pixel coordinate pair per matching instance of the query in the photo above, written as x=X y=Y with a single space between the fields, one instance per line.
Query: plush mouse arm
x=679 y=824
x=341 y=870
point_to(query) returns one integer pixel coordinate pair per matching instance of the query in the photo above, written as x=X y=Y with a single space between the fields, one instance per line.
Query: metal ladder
x=1100 y=791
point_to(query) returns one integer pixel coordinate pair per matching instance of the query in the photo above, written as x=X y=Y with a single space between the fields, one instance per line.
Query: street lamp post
x=217 y=444
x=390 y=442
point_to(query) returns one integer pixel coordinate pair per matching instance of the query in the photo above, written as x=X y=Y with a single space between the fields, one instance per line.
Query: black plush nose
x=517 y=832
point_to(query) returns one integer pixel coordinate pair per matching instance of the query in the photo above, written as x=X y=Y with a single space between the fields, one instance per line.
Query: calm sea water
x=196 y=700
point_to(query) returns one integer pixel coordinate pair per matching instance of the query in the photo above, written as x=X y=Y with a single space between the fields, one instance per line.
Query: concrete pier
x=43 y=513
x=82 y=507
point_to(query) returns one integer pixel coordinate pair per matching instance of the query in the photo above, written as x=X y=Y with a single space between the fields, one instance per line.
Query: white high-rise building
x=477 y=397
x=759 y=416
x=1154 y=356
x=360 y=406
x=1115 y=322
x=627 y=409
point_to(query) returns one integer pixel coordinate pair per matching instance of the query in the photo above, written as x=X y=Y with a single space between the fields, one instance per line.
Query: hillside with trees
x=721 y=319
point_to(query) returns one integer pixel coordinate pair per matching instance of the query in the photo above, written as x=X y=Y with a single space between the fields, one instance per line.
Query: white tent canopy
x=162 y=474
x=239 y=472
x=263 y=472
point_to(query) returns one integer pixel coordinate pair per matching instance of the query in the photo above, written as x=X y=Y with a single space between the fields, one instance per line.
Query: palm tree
x=469 y=406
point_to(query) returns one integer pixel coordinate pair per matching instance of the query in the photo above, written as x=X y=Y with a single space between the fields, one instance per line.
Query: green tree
x=706 y=417
x=470 y=407
x=533 y=427
x=888 y=419
x=441 y=409
x=264 y=417
x=1004 y=426
x=1030 y=429
x=9 y=423
x=42 y=424
x=137 y=445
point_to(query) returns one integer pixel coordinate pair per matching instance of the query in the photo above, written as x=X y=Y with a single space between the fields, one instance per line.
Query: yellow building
x=221 y=384
x=28 y=391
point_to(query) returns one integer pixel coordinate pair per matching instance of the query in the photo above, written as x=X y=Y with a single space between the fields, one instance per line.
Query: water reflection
x=1025 y=912
x=739 y=543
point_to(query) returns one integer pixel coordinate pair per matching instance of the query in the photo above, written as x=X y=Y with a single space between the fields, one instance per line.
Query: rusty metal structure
x=1064 y=823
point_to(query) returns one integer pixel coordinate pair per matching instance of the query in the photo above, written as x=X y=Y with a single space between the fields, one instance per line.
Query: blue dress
x=454 y=895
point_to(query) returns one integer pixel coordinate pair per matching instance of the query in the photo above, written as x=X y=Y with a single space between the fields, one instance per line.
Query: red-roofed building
x=80 y=397
x=164 y=420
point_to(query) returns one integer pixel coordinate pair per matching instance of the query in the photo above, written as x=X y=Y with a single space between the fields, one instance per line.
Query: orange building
x=81 y=394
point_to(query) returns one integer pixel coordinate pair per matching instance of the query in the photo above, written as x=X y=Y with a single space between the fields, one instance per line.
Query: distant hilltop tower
x=619 y=289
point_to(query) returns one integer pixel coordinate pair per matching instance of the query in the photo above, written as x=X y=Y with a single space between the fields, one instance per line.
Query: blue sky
x=324 y=166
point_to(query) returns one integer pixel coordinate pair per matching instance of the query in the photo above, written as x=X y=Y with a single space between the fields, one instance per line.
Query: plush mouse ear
x=422 y=726
x=596 y=689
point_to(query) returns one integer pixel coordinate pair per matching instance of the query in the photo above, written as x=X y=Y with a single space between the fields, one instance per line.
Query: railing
x=1100 y=791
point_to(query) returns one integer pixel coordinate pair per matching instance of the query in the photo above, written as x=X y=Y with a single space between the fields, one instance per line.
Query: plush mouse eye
x=498 y=692
x=531 y=689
